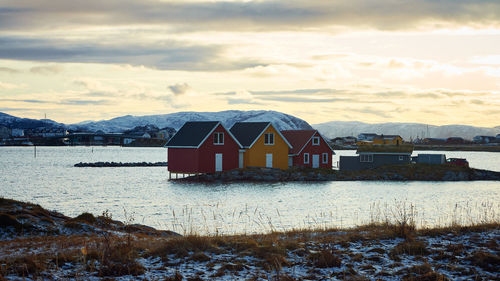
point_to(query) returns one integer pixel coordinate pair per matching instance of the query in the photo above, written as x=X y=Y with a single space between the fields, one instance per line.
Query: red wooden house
x=309 y=149
x=202 y=147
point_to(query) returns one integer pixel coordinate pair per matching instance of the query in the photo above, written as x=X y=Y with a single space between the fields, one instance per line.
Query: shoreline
x=469 y=148
x=465 y=148
x=412 y=172
x=100 y=248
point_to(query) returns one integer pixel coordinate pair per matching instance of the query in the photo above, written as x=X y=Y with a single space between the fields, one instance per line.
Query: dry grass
x=410 y=247
x=485 y=260
x=422 y=272
x=325 y=258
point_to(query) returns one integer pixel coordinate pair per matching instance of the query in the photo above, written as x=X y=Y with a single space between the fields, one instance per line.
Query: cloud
x=8 y=86
x=9 y=70
x=298 y=92
x=240 y=97
x=371 y=111
x=62 y=102
x=167 y=55
x=488 y=60
x=26 y=100
x=3 y=109
x=391 y=94
x=179 y=89
x=302 y=99
x=251 y=15
x=46 y=70
x=83 y=102
x=99 y=94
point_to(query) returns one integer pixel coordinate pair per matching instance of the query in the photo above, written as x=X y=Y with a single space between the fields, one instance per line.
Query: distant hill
x=405 y=130
x=14 y=122
x=176 y=120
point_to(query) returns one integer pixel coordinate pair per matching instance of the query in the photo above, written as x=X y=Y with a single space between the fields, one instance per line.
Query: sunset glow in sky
x=426 y=61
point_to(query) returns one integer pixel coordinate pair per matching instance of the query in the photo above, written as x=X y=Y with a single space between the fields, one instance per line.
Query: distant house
x=166 y=133
x=484 y=139
x=366 y=136
x=434 y=141
x=349 y=140
x=202 y=147
x=375 y=156
x=430 y=158
x=455 y=140
x=344 y=140
x=17 y=132
x=309 y=149
x=4 y=132
x=388 y=139
x=263 y=145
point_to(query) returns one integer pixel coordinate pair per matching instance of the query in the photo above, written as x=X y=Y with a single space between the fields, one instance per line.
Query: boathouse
x=202 y=147
x=309 y=149
x=263 y=145
x=373 y=156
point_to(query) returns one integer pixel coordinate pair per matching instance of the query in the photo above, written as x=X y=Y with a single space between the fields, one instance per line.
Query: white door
x=241 y=160
x=218 y=162
x=269 y=160
x=290 y=161
x=315 y=160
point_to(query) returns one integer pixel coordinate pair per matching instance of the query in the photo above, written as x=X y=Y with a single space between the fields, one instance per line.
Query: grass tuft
x=325 y=258
x=409 y=247
x=485 y=260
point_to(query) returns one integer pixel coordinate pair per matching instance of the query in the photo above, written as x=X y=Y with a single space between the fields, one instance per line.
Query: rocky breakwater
x=413 y=172
x=120 y=164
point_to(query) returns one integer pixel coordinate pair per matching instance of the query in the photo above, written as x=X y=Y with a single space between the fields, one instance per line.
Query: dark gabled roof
x=247 y=132
x=192 y=134
x=298 y=139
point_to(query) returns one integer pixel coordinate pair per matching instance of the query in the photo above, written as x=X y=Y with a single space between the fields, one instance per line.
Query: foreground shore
x=411 y=172
x=40 y=244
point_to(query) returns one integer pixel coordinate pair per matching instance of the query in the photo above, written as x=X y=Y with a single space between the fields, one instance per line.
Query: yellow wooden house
x=263 y=145
x=388 y=139
x=382 y=140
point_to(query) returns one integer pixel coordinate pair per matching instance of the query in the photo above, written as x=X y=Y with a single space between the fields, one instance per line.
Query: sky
x=424 y=61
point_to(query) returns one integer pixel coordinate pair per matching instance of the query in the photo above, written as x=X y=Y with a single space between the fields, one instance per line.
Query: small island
x=409 y=172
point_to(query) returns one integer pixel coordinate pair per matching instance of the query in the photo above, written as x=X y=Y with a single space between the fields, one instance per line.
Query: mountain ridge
x=281 y=120
x=176 y=120
x=11 y=121
x=406 y=130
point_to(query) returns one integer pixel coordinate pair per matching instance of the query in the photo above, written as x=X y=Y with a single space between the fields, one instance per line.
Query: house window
x=306 y=158
x=325 y=158
x=401 y=158
x=315 y=140
x=269 y=139
x=218 y=138
x=366 y=158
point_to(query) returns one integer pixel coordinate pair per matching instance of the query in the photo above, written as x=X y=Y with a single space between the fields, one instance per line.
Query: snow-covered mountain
x=175 y=120
x=405 y=130
x=10 y=121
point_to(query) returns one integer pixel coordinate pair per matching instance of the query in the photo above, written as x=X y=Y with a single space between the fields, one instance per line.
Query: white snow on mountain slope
x=176 y=120
x=26 y=123
x=405 y=130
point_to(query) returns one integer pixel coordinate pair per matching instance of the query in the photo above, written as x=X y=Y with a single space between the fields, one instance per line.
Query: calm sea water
x=145 y=195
